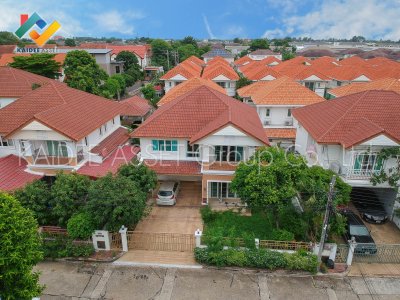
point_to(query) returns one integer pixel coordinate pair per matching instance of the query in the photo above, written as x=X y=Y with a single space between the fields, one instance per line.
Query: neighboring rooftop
x=386 y=84
x=262 y=52
x=135 y=107
x=352 y=119
x=281 y=91
x=218 y=52
x=6 y=59
x=187 y=86
x=199 y=113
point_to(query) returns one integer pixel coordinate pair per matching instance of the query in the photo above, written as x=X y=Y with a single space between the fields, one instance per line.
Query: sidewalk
x=374 y=269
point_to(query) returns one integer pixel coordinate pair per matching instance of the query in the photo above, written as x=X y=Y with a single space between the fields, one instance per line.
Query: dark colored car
x=367 y=203
x=356 y=228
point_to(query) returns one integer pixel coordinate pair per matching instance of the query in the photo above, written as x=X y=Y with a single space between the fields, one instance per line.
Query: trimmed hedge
x=257 y=258
x=60 y=247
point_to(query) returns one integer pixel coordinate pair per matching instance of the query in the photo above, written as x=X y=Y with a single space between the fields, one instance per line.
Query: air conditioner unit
x=267 y=122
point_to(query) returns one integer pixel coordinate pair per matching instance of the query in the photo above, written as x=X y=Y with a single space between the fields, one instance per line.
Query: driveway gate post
x=124 y=239
x=352 y=247
x=197 y=234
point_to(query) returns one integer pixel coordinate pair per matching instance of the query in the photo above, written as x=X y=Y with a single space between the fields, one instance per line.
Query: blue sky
x=213 y=18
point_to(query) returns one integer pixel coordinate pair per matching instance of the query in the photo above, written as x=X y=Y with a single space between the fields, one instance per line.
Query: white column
x=352 y=247
x=124 y=239
x=197 y=234
x=257 y=241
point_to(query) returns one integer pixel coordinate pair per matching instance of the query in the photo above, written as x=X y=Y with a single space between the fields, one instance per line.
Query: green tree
x=286 y=55
x=20 y=251
x=36 y=197
x=114 y=201
x=243 y=81
x=237 y=41
x=83 y=73
x=189 y=40
x=8 y=38
x=186 y=51
x=391 y=175
x=114 y=87
x=41 y=64
x=138 y=172
x=128 y=58
x=149 y=93
x=70 y=42
x=160 y=57
x=259 y=44
x=80 y=226
x=69 y=195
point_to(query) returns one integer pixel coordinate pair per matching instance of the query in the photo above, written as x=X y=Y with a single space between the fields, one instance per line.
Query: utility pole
x=326 y=219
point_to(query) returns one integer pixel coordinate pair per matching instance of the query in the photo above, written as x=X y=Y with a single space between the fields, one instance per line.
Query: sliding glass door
x=221 y=190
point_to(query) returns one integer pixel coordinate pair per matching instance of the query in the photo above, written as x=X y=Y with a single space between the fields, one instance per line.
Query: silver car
x=167 y=193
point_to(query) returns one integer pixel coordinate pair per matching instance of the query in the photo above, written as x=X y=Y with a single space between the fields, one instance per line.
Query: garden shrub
x=80 y=226
x=61 y=246
x=257 y=258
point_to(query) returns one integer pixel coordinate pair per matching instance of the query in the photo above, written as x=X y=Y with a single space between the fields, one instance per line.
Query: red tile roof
x=282 y=133
x=71 y=112
x=121 y=156
x=15 y=83
x=199 y=113
x=113 y=141
x=281 y=91
x=6 y=59
x=7 y=49
x=135 y=106
x=174 y=167
x=352 y=119
x=187 y=86
x=187 y=70
x=139 y=50
x=387 y=84
x=244 y=60
x=263 y=52
x=259 y=72
x=12 y=173
x=214 y=70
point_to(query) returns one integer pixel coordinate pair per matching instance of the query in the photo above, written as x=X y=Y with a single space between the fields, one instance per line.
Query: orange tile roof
x=196 y=60
x=302 y=72
x=7 y=49
x=187 y=86
x=139 y=50
x=6 y=59
x=199 y=113
x=260 y=72
x=174 y=167
x=281 y=133
x=218 y=60
x=135 y=106
x=387 y=84
x=281 y=91
x=111 y=143
x=183 y=69
x=71 y=112
x=15 y=83
x=352 y=119
x=217 y=69
x=12 y=173
x=244 y=60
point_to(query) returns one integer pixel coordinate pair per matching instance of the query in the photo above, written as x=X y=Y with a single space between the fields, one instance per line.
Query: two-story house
x=274 y=101
x=189 y=68
x=221 y=72
x=54 y=127
x=200 y=137
x=346 y=135
x=261 y=54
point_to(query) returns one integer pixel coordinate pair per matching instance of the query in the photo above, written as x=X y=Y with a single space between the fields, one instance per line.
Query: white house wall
x=5 y=101
x=278 y=115
x=37 y=131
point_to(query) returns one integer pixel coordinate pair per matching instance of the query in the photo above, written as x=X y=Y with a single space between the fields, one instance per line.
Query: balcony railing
x=359 y=174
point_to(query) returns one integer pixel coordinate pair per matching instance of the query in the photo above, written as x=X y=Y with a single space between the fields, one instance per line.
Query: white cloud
x=114 y=21
x=345 y=19
x=208 y=28
x=235 y=31
x=286 y=6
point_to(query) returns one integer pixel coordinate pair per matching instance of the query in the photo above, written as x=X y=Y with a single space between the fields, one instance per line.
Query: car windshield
x=359 y=230
x=165 y=193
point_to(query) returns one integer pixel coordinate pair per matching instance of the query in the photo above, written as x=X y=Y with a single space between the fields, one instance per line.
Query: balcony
x=359 y=174
x=222 y=166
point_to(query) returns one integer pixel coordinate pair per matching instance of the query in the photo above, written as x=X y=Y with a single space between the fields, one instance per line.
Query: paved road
x=102 y=281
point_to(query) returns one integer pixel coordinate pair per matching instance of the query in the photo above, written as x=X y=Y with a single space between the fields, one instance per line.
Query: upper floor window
x=310 y=85
x=86 y=141
x=289 y=112
x=221 y=83
x=229 y=153
x=367 y=162
x=165 y=145
x=192 y=150
x=117 y=69
x=268 y=112
x=5 y=142
x=101 y=130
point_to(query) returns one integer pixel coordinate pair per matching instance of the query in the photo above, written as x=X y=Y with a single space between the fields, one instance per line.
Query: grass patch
x=233 y=225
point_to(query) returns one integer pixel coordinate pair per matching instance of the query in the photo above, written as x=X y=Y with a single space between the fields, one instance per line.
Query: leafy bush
x=257 y=258
x=302 y=260
x=61 y=246
x=80 y=226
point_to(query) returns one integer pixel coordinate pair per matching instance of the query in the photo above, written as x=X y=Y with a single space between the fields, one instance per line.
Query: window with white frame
x=165 y=145
x=289 y=112
x=367 y=163
x=6 y=142
x=267 y=112
x=228 y=153
x=192 y=150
